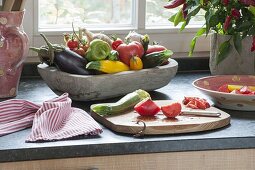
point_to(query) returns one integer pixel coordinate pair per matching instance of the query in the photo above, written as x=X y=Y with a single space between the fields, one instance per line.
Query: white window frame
x=170 y=37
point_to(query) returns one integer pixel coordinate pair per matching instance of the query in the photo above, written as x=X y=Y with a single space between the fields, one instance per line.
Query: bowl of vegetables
x=235 y=92
x=108 y=68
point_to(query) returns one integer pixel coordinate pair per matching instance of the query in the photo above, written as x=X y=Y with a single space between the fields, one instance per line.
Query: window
x=53 y=17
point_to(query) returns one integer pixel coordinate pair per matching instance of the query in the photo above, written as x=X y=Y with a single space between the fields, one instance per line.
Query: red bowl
x=209 y=86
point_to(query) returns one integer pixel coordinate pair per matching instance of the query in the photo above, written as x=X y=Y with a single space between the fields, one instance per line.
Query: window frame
x=170 y=37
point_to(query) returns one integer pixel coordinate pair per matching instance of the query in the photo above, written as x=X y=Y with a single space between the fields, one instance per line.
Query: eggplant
x=63 y=58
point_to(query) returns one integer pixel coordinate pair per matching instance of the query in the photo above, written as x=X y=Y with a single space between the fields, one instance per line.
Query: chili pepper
x=225 y=2
x=174 y=3
x=235 y=13
x=253 y=44
x=247 y=2
x=227 y=23
x=184 y=10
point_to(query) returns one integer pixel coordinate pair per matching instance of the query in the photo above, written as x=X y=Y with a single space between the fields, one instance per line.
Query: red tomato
x=245 y=90
x=80 y=51
x=127 y=51
x=116 y=43
x=224 y=88
x=72 y=44
x=147 y=108
x=172 y=110
x=195 y=103
x=155 y=48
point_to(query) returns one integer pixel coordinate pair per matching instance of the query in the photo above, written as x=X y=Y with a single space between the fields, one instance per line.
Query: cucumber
x=124 y=104
x=156 y=58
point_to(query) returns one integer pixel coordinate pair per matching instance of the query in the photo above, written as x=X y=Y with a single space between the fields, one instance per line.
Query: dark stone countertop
x=239 y=135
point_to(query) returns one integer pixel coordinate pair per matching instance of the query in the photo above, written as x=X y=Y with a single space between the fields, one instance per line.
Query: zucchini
x=107 y=66
x=156 y=58
x=124 y=104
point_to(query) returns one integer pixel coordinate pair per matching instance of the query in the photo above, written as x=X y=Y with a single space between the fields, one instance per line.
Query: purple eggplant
x=63 y=58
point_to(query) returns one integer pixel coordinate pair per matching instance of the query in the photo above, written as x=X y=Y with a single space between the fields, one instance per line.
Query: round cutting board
x=128 y=122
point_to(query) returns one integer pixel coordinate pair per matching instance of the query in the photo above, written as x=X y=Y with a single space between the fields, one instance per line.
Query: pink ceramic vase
x=13 y=51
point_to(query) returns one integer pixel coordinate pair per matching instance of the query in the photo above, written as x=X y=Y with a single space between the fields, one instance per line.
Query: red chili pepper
x=225 y=2
x=235 y=13
x=174 y=3
x=253 y=44
x=227 y=23
x=184 y=10
x=248 y=2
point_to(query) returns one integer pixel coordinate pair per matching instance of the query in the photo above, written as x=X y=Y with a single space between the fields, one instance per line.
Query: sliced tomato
x=195 y=103
x=245 y=90
x=235 y=92
x=224 y=88
x=147 y=107
x=171 y=110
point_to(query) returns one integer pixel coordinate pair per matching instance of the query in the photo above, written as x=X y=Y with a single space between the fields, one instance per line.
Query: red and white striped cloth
x=54 y=120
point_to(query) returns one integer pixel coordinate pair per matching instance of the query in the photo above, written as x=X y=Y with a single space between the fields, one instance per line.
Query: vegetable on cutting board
x=107 y=66
x=172 y=110
x=124 y=104
x=195 y=103
x=147 y=107
x=98 y=50
x=156 y=58
x=65 y=59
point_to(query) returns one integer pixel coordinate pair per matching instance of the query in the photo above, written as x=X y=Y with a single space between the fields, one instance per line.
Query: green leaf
x=192 y=46
x=194 y=11
x=199 y=33
x=185 y=23
x=171 y=19
x=223 y=51
x=252 y=9
x=213 y=21
x=178 y=18
x=237 y=39
x=244 y=26
x=214 y=2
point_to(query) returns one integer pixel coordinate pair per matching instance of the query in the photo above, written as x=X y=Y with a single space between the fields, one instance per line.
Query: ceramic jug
x=13 y=51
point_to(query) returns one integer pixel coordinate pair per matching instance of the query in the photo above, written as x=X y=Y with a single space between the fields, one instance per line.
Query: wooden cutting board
x=160 y=124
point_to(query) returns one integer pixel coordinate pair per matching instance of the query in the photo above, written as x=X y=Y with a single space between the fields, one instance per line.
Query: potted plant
x=232 y=23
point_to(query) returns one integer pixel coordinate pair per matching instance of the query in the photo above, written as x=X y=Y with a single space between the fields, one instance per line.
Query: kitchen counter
x=240 y=134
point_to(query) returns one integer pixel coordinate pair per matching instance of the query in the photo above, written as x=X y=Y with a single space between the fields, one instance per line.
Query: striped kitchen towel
x=54 y=120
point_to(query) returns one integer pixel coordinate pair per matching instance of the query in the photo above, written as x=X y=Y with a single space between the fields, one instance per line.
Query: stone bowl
x=209 y=86
x=104 y=86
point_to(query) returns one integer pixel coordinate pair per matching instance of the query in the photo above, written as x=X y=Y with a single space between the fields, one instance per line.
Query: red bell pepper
x=127 y=51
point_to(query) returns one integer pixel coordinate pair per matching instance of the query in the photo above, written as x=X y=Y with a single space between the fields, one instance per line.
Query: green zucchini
x=124 y=104
x=156 y=58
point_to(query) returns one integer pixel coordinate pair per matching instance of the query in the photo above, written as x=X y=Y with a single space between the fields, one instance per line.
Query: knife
x=206 y=113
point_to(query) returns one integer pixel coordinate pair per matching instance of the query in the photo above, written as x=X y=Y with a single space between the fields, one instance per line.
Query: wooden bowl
x=209 y=86
x=104 y=86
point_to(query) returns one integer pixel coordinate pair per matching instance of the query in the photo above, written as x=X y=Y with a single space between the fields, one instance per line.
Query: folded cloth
x=16 y=115
x=54 y=120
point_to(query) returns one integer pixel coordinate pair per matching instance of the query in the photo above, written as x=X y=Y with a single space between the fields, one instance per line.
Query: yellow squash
x=136 y=63
x=107 y=66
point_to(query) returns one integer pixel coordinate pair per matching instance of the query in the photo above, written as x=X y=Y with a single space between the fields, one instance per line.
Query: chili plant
x=226 y=17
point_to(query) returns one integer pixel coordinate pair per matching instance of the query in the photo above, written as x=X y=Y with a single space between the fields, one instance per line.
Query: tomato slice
x=147 y=107
x=195 y=103
x=224 y=88
x=171 y=110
